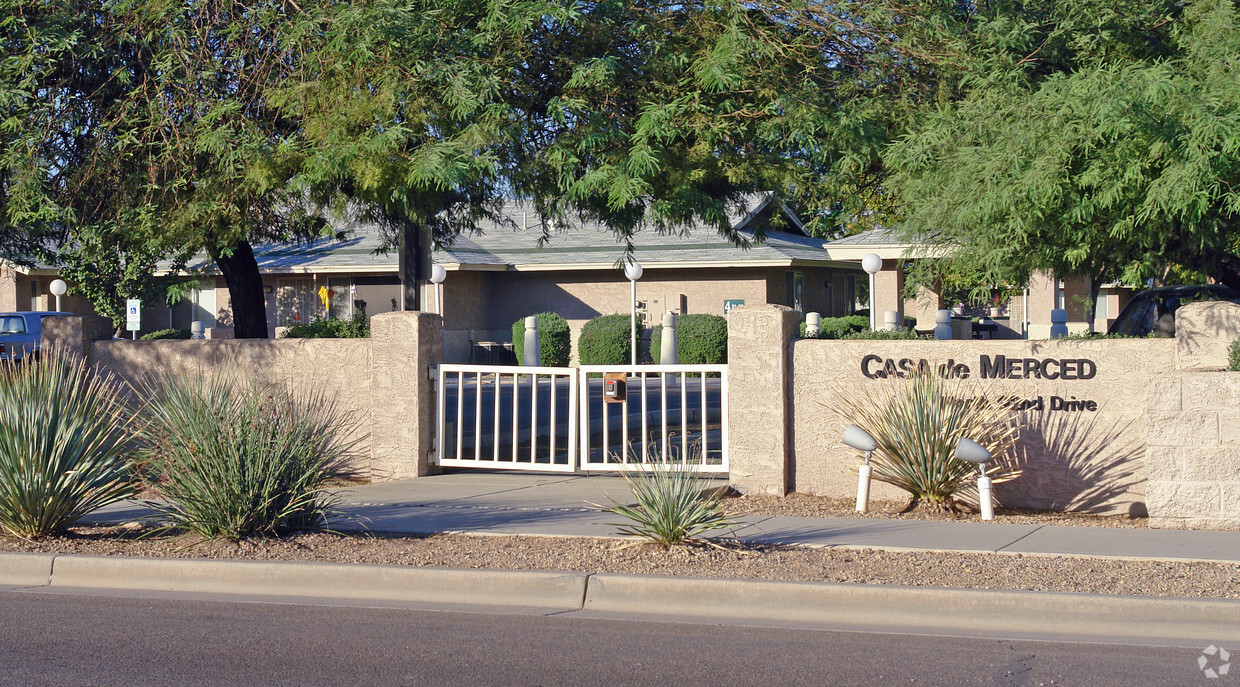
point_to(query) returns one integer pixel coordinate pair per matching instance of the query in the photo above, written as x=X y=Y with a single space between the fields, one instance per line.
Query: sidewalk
x=551 y=505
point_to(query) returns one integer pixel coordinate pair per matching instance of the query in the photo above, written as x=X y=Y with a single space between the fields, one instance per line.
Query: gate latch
x=613 y=387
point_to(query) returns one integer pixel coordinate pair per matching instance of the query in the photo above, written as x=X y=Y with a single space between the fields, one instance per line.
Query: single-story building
x=501 y=274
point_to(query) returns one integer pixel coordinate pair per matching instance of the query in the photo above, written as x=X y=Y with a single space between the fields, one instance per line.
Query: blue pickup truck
x=20 y=333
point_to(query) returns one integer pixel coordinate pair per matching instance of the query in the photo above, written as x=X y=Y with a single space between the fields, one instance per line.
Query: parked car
x=1153 y=311
x=20 y=333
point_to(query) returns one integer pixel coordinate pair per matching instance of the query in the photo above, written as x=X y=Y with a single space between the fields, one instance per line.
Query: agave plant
x=918 y=422
x=674 y=503
x=65 y=443
x=232 y=459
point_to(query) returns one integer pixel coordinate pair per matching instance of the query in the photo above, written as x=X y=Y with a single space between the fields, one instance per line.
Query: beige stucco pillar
x=888 y=290
x=759 y=411
x=1043 y=297
x=924 y=306
x=75 y=333
x=404 y=347
x=8 y=290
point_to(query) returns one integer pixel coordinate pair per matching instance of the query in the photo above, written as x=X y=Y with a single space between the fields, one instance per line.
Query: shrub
x=605 y=340
x=700 y=340
x=232 y=459
x=332 y=328
x=166 y=334
x=917 y=423
x=554 y=340
x=1233 y=357
x=64 y=444
x=839 y=327
x=882 y=335
x=674 y=504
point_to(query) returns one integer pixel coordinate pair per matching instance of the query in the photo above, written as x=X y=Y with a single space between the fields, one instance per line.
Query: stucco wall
x=1086 y=460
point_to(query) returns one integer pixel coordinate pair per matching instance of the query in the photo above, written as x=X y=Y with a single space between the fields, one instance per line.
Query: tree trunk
x=245 y=287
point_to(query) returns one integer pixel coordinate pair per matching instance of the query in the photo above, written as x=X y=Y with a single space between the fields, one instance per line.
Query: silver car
x=20 y=333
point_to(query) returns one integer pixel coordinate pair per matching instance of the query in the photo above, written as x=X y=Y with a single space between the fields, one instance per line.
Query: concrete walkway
x=551 y=505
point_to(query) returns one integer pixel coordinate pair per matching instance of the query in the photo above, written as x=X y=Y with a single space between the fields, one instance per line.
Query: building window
x=796 y=291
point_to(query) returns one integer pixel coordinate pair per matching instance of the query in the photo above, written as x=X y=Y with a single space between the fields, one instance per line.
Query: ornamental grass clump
x=675 y=504
x=917 y=422
x=65 y=443
x=230 y=459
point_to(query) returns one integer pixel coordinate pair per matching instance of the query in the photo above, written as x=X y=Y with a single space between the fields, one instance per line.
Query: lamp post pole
x=438 y=274
x=58 y=287
x=633 y=270
x=872 y=263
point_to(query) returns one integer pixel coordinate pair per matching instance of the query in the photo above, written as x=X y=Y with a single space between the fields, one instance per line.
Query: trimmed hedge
x=882 y=334
x=839 y=327
x=1233 y=357
x=332 y=328
x=605 y=340
x=701 y=339
x=554 y=340
x=166 y=334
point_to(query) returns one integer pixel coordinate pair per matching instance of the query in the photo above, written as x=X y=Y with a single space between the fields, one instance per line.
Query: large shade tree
x=1093 y=139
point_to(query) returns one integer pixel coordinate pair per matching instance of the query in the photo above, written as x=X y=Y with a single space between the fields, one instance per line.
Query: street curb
x=556 y=591
x=972 y=612
x=26 y=569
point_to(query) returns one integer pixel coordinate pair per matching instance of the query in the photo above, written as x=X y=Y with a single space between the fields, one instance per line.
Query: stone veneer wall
x=382 y=383
x=1193 y=451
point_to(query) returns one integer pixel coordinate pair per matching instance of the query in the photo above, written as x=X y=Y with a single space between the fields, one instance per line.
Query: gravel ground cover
x=788 y=563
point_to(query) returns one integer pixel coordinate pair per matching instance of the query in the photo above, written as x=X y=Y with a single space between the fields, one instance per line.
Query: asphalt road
x=61 y=639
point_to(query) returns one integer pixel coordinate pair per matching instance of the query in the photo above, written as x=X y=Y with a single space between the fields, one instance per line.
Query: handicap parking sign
x=133 y=315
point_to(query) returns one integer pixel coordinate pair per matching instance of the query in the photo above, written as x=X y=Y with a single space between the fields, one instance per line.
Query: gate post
x=404 y=346
x=759 y=341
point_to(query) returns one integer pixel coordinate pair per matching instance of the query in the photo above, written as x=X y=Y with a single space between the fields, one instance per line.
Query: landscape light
x=633 y=270
x=58 y=287
x=972 y=452
x=855 y=437
x=438 y=274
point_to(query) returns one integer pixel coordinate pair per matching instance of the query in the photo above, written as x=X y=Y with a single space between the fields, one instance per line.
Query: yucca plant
x=65 y=443
x=675 y=504
x=232 y=458
x=918 y=421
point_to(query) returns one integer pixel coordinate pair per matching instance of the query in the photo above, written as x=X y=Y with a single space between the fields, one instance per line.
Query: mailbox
x=613 y=387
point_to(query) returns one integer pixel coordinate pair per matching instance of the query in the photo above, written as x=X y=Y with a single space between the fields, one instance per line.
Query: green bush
x=917 y=422
x=700 y=340
x=554 y=340
x=166 y=334
x=673 y=504
x=332 y=328
x=605 y=340
x=232 y=459
x=839 y=327
x=64 y=444
x=1233 y=357
x=882 y=335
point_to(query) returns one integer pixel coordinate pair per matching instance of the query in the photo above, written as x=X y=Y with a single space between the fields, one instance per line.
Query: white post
x=530 y=355
x=1059 y=323
x=984 y=498
x=872 y=263
x=863 y=487
x=813 y=325
x=667 y=344
x=943 y=325
x=633 y=270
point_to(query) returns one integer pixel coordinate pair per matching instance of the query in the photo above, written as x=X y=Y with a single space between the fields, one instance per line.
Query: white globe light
x=633 y=270
x=871 y=263
x=58 y=287
x=438 y=274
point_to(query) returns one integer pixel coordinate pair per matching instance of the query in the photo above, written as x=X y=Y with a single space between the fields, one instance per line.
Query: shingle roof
x=874 y=237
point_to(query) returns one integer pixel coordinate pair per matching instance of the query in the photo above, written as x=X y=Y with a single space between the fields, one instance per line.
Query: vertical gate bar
x=572 y=422
x=440 y=412
x=645 y=412
x=478 y=416
x=684 y=416
x=534 y=418
x=495 y=440
x=624 y=423
x=702 y=408
x=605 y=412
x=663 y=403
x=583 y=418
x=723 y=416
x=516 y=377
x=460 y=410
x=554 y=383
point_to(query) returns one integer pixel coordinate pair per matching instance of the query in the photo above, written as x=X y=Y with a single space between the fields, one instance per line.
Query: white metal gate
x=555 y=419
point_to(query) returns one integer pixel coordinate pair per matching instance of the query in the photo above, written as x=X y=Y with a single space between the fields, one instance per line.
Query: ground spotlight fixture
x=972 y=452
x=855 y=437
